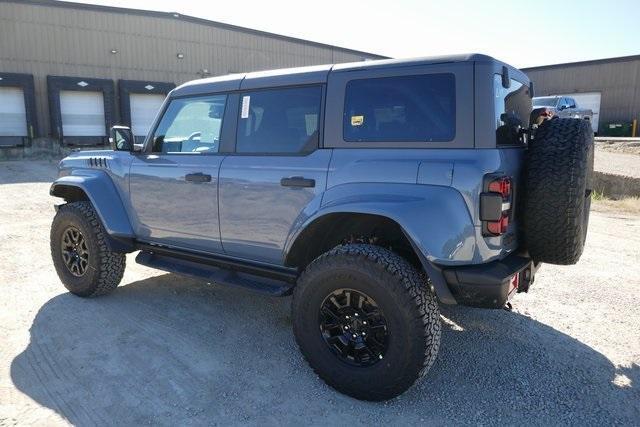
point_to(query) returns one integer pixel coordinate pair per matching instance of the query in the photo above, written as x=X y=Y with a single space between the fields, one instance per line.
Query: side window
x=401 y=109
x=279 y=120
x=191 y=125
x=563 y=102
x=571 y=103
x=512 y=110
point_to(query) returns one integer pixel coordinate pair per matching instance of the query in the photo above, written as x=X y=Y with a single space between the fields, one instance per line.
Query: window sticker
x=357 y=120
x=246 y=100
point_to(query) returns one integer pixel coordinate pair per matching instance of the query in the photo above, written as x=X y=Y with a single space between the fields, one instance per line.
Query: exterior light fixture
x=203 y=73
x=114 y=51
x=180 y=55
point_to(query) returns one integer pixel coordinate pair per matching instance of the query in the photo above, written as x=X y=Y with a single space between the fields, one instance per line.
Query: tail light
x=495 y=205
x=514 y=282
x=501 y=186
x=498 y=227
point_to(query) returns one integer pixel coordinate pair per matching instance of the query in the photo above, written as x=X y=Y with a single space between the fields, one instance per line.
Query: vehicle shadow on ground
x=168 y=350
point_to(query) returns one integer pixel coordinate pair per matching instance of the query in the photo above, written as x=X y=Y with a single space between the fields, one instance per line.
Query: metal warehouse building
x=610 y=87
x=70 y=71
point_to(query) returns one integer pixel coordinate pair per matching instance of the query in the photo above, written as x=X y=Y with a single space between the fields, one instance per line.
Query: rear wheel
x=366 y=321
x=80 y=252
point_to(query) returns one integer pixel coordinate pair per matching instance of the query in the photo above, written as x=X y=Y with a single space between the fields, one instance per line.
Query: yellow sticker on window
x=357 y=120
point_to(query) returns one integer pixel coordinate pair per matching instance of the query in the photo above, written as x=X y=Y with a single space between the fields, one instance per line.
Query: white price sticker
x=246 y=100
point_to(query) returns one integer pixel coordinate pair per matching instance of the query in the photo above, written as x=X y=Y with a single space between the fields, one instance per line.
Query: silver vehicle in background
x=562 y=106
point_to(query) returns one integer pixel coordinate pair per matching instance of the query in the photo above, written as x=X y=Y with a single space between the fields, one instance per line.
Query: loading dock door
x=590 y=100
x=13 y=115
x=144 y=108
x=82 y=113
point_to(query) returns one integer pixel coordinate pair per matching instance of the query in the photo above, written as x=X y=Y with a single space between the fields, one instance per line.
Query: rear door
x=173 y=185
x=276 y=172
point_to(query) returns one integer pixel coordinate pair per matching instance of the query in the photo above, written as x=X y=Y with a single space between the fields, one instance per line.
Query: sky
x=523 y=33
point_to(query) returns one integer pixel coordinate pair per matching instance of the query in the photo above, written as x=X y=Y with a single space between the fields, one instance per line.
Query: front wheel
x=80 y=252
x=366 y=321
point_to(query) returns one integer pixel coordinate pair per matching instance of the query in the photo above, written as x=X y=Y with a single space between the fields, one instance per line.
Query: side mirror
x=506 y=80
x=121 y=138
x=561 y=107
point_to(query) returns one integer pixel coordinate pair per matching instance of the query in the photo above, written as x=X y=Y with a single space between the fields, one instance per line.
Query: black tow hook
x=507 y=306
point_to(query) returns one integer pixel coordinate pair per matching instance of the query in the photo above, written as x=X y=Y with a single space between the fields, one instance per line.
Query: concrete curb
x=42 y=149
x=616 y=186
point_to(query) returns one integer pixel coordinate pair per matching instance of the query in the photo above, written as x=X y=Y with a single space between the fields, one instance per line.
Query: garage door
x=590 y=100
x=82 y=113
x=13 y=115
x=144 y=108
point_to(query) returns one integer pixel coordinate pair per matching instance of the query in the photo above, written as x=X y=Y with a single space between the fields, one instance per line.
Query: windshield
x=545 y=101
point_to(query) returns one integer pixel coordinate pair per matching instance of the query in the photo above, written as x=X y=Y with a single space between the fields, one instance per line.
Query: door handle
x=298 y=181
x=197 y=177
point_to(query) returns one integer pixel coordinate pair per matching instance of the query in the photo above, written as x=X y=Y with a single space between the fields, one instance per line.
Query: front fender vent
x=98 y=162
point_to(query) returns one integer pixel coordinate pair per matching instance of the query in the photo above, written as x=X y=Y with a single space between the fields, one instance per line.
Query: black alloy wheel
x=354 y=327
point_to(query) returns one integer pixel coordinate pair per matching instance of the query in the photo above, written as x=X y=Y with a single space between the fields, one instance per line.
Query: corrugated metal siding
x=43 y=40
x=619 y=83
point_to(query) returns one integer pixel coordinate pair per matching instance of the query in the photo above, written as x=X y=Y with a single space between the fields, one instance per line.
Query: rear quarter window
x=401 y=109
x=512 y=110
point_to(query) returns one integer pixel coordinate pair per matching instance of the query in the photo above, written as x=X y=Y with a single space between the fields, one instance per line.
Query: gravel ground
x=619 y=145
x=167 y=350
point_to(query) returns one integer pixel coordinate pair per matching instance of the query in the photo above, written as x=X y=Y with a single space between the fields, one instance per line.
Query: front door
x=277 y=173
x=173 y=185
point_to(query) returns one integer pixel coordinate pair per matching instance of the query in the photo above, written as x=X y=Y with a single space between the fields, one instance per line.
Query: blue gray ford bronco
x=371 y=191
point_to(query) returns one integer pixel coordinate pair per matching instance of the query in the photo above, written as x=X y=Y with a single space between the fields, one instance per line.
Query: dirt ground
x=167 y=350
x=617 y=163
x=620 y=145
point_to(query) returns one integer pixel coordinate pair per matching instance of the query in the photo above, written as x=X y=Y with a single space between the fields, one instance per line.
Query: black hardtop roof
x=310 y=75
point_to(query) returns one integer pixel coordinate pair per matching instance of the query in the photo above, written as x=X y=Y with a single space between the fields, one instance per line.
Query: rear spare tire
x=558 y=185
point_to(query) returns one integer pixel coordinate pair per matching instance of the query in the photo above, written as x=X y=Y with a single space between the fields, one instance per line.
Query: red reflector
x=502 y=186
x=498 y=227
x=493 y=227
x=515 y=280
x=504 y=224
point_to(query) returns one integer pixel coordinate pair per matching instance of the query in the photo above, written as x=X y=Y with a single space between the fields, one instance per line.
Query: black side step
x=214 y=274
x=285 y=274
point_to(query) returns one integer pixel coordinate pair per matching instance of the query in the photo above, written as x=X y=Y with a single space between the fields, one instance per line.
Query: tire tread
x=409 y=286
x=111 y=265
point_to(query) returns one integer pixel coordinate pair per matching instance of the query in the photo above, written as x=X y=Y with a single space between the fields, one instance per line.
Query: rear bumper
x=490 y=285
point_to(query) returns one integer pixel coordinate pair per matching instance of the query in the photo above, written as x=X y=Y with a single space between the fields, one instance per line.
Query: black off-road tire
x=403 y=295
x=105 y=268
x=558 y=186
